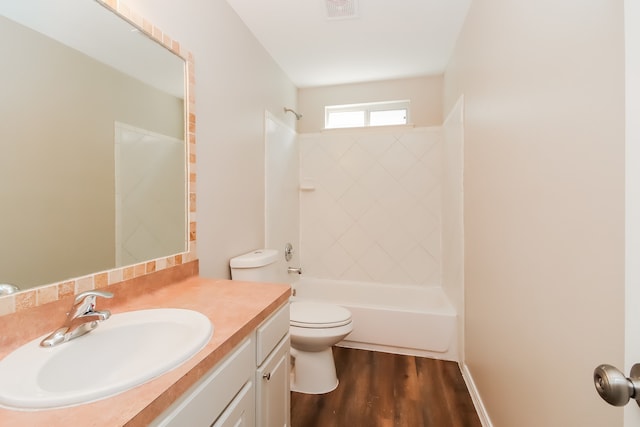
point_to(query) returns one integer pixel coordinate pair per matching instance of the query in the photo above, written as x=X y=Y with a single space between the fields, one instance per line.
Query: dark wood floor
x=384 y=390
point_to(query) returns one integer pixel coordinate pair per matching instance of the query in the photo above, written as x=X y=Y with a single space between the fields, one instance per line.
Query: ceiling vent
x=342 y=9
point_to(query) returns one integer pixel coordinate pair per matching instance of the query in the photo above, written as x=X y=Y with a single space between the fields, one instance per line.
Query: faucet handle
x=91 y=296
x=85 y=302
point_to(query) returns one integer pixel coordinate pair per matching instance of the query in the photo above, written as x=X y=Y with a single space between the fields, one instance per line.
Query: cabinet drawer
x=241 y=412
x=270 y=332
x=203 y=403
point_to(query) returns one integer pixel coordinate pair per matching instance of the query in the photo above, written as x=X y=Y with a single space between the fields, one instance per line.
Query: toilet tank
x=259 y=265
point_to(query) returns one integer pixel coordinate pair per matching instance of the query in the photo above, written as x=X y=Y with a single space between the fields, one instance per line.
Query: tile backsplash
x=370 y=205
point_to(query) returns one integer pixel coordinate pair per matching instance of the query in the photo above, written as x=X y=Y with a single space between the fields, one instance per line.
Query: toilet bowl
x=314 y=326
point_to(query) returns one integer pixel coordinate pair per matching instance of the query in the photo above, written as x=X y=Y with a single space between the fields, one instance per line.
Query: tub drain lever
x=614 y=387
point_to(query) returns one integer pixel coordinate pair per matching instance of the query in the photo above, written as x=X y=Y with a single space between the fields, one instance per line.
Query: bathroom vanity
x=249 y=387
x=241 y=374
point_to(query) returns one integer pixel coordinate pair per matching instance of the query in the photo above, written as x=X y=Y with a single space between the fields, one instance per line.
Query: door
x=632 y=197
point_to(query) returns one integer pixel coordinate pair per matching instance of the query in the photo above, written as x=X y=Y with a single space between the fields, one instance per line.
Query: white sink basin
x=124 y=351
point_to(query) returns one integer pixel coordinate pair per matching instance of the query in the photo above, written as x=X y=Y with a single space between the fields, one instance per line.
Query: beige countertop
x=235 y=309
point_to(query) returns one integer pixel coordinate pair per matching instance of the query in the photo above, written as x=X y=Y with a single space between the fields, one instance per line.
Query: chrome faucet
x=82 y=318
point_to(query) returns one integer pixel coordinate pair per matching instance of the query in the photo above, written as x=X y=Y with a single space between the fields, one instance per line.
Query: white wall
x=543 y=84
x=424 y=92
x=236 y=81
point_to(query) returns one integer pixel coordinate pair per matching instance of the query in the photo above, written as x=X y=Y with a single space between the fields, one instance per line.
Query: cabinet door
x=203 y=403
x=272 y=388
x=241 y=410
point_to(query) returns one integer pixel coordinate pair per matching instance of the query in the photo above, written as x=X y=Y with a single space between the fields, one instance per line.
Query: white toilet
x=314 y=326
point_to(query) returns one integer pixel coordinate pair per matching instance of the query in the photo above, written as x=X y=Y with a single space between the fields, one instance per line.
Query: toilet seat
x=313 y=314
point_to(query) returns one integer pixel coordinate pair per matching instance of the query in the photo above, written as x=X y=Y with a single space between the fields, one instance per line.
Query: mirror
x=92 y=144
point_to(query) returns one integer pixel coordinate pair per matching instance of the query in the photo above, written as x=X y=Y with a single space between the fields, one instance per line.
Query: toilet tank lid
x=254 y=259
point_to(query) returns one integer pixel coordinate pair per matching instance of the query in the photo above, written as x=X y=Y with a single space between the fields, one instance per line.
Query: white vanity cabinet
x=249 y=387
x=241 y=411
x=218 y=394
x=272 y=374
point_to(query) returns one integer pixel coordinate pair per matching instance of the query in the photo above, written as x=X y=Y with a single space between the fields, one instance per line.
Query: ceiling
x=386 y=40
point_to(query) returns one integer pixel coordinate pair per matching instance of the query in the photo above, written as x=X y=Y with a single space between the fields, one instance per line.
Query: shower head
x=289 y=110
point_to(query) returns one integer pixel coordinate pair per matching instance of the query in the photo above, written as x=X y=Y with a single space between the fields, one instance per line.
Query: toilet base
x=313 y=372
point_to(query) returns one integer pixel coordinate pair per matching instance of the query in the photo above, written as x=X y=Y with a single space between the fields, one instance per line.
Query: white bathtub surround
x=149 y=194
x=281 y=199
x=374 y=214
x=402 y=319
x=452 y=214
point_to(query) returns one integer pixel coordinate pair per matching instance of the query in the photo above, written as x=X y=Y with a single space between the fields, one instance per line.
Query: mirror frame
x=40 y=295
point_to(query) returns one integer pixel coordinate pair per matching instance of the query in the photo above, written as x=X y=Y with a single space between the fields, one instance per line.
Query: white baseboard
x=475 y=396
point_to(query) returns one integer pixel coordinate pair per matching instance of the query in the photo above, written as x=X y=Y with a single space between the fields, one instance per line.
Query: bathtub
x=414 y=320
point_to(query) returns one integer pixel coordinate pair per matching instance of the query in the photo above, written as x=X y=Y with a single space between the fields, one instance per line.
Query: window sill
x=371 y=128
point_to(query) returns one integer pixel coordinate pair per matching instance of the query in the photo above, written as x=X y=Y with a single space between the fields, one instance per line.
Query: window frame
x=367 y=108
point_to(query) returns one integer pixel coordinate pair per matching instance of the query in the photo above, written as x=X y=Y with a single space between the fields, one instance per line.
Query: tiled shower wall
x=150 y=199
x=370 y=205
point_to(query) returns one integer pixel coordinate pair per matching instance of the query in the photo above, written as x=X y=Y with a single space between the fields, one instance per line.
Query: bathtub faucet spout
x=294 y=270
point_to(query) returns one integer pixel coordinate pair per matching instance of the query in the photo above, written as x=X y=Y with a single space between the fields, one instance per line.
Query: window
x=362 y=115
x=345 y=119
